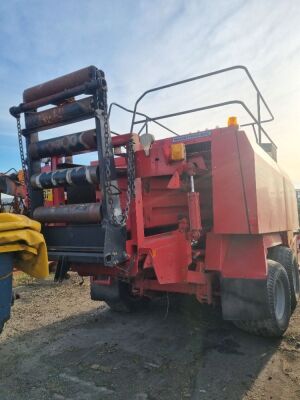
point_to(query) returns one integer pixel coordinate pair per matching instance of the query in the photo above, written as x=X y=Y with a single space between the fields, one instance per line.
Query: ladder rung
x=59 y=84
x=81 y=175
x=71 y=213
x=74 y=143
x=61 y=115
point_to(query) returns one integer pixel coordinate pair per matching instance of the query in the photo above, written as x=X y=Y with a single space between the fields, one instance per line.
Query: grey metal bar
x=133 y=122
x=258 y=118
x=254 y=131
x=139 y=113
x=217 y=105
x=141 y=130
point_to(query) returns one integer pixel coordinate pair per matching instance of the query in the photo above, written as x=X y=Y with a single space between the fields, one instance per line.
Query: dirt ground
x=61 y=345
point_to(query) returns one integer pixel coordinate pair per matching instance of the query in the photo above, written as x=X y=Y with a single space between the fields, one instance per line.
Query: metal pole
x=192 y=184
x=258 y=118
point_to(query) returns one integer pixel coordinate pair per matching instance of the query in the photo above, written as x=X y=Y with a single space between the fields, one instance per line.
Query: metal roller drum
x=74 y=143
x=64 y=114
x=60 y=84
x=71 y=213
x=71 y=176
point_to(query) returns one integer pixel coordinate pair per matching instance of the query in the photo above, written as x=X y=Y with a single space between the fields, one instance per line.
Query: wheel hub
x=279 y=300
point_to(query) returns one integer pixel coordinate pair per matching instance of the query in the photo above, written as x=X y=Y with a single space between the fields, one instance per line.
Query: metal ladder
x=89 y=231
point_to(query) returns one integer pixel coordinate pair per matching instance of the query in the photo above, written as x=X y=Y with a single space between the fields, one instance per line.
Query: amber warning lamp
x=178 y=152
x=232 y=121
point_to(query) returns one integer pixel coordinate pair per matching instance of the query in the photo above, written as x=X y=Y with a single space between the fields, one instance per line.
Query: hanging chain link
x=131 y=178
x=23 y=161
x=130 y=172
x=108 y=152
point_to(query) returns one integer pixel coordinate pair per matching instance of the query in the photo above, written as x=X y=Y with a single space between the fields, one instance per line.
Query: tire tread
x=284 y=256
x=267 y=327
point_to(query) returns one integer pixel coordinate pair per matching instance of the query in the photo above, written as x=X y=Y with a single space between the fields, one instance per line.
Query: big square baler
x=209 y=213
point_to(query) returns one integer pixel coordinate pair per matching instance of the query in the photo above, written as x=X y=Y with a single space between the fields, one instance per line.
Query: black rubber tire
x=125 y=302
x=272 y=326
x=285 y=257
x=296 y=280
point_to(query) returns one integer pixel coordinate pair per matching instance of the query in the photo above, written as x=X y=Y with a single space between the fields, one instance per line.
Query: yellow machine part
x=22 y=236
x=178 y=152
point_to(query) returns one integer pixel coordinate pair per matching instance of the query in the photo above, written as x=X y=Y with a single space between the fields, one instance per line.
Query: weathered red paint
x=243 y=204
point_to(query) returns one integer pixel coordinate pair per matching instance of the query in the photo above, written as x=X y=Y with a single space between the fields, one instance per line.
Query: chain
x=23 y=161
x=131 y=178
x=130 y=172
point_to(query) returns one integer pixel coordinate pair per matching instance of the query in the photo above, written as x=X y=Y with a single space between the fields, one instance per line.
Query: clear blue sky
x=140 y=44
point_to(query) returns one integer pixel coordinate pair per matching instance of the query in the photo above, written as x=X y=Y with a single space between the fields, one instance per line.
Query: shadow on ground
x=186 y=354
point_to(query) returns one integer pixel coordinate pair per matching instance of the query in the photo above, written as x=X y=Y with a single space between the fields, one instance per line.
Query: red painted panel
x=271 y=210
x=171 y=255
x=292 y=221
x=245 y=258
x=216 y=247
x=162 y=206
x=247 y=168
x=270 y=195
x=228 y=198
x=236 y=256
x=249 y=188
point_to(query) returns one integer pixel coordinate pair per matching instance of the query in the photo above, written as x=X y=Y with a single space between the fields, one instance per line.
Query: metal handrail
x=217 y=105
x=147 y=118
x=260 y=98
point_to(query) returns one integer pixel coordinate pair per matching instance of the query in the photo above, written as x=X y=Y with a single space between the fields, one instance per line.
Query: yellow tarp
x=22 y=235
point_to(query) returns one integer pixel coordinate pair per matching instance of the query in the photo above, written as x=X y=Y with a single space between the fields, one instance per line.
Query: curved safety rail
x=256 y=120
x=116 y=105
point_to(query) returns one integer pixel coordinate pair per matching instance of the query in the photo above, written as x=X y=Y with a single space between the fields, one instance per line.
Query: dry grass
x=21 y=279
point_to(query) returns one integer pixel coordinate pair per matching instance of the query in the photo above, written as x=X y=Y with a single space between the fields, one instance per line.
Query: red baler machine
x=209 y=213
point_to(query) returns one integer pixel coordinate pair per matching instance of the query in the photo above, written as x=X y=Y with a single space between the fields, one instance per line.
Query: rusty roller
x=74 y=143
x=71 y=213
x=71 y=176
x=62 y=90
x=60 y=84
x=64 y=114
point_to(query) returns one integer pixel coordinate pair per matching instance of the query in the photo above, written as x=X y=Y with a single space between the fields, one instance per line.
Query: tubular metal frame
x=256 y=120
x=138 y=113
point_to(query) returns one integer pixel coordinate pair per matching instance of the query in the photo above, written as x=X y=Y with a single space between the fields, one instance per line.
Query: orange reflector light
x=21 y=177
x=232 y=121
x=178 y=152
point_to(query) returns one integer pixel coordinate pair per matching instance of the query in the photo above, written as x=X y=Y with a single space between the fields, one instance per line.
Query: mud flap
x=114 y=245
x=110 y=293
x=244 y=299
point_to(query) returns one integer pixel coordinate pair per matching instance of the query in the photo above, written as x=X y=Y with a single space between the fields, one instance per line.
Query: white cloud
x=141 y=44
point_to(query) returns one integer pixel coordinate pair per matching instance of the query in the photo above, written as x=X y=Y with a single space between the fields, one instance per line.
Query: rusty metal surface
x=56 y=116
x=71 y=213
x=70 y=176
x=11 y=187
x=60 y=84
x=74 y=143
x=58 y=98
